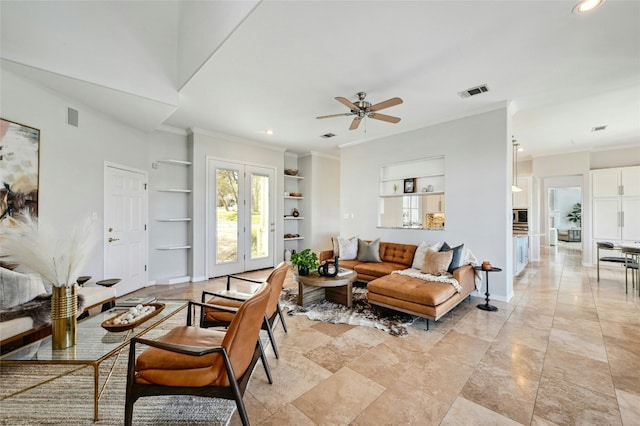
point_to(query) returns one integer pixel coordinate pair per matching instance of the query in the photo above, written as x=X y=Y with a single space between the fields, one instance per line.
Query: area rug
x=361 y=313
x=68 y=400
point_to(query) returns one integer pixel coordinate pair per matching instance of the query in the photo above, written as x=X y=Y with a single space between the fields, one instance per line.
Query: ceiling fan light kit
x=362 y=109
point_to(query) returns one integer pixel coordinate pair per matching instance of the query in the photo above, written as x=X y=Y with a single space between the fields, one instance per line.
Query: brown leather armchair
x=229 y=298
x=197 y=361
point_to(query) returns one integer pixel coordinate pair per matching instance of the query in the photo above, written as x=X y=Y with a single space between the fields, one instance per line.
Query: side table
x=486 y=306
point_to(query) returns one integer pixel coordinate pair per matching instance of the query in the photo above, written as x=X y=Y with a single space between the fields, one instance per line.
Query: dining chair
x=198 y=361
x=631 y=260
x=606 y=245
x=230 y=298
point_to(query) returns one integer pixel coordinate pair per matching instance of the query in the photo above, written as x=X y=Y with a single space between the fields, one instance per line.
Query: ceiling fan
x=362 y=109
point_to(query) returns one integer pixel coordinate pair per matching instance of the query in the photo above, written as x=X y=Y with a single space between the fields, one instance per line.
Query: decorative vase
x=64 y=316
x=303 y=270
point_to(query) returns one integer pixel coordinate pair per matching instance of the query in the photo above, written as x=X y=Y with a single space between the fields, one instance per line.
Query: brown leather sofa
x=427 y=299
x=394 y=257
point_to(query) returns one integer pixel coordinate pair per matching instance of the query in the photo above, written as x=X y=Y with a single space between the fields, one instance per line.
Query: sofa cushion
x=456 y=261
x=415 y=290
x=421 y=251
x=436 y=263
x=397 y=253
x=17 y=288
x=377 y=269
x=369 y=251
x=348 y=248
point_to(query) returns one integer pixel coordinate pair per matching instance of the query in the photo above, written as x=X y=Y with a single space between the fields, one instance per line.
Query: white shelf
x=411 y=193
x=293 y=239
x=185 y=191
x=293 y=218
x=178 y=219
x=293 y=177
x=293 y=198
x=174 y=247
x=422 y=175
x=176 y=162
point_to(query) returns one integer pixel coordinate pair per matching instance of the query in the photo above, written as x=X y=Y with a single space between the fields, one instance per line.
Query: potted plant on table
x=575 y=216
x=305 y=260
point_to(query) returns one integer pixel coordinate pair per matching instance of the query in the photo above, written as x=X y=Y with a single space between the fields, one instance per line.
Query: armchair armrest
x=173 y=347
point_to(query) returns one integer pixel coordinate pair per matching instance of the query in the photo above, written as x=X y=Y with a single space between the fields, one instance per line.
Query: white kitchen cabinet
x=615 y=205
x=520 y=253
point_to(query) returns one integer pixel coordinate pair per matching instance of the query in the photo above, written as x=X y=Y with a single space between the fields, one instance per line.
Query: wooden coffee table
x=313 y=288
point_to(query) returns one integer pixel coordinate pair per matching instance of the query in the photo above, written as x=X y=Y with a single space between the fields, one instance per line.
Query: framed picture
x=409 y=185
x=19 y=170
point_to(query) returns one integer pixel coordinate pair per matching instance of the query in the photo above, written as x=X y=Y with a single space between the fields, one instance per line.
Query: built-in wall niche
x=412 y=194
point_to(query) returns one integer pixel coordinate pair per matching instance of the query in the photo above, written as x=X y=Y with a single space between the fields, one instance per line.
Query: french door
x=241 y=217
x=125 y=222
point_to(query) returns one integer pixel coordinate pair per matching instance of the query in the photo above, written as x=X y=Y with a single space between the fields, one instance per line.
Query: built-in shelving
x=293 y=218
x=185 y=191
x=177 y=219
x=184 y=247
x=176 y=162
x=291 y=202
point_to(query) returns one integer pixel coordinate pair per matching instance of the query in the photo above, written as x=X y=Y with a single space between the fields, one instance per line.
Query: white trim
x=235 y=139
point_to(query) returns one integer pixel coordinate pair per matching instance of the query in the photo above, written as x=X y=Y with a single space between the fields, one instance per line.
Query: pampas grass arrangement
x=57 y=258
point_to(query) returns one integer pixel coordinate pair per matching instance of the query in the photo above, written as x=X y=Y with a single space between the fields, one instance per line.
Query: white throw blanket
x=414 y=273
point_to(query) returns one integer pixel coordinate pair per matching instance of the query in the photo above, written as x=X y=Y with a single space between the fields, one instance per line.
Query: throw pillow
x=348 y=248
x=436 y=262
x=421 y=251
x=369 y=252
x=456 y=261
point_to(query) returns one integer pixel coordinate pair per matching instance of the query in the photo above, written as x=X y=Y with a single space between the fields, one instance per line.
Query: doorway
x=125 y=227
x=241 y=214
x=565 y=216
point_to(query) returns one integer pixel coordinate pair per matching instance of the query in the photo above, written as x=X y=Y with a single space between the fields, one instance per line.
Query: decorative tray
x=110 y=324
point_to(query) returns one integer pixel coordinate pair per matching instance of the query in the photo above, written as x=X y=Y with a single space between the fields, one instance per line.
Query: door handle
x=113 y=239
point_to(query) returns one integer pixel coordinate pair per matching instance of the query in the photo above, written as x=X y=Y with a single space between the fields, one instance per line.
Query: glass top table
x=94 y=344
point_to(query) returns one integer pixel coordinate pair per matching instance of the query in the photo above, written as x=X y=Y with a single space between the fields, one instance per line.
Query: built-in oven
x=520 y=216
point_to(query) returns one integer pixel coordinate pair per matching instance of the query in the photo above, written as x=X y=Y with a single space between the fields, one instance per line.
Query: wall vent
x=328 y=135
x=474 y=91
x=72 y=117
x=598 y=128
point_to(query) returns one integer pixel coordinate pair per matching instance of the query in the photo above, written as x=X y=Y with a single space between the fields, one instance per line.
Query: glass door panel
x=226 y=230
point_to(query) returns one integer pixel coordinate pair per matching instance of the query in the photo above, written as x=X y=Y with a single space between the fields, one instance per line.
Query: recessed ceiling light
x=584 y=6
x=328 y=135
x=520 y=148
x=269 y=132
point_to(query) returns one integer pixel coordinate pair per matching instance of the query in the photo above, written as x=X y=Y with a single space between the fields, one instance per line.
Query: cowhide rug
x=39 y=309
x=361 y=313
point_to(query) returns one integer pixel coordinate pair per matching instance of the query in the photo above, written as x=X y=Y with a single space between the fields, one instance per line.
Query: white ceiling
x=240 y=68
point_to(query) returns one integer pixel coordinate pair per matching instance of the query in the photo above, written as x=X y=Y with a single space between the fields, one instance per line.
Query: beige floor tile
x=288 y=415
x=579 y=370
x=578 y=326
x=518 y=359
x=332 y=330
x=293 y=375
x=624 y=362
x=339 y=399
x=575 y=312
x=523 y=315
x=499 y=390
x=628 y=317
x=481 y=324
x=621 y=331
x=438 y=377
x=525 y=335
x=629 y=404
x=587 y=346
x=402 y=406
x=461 y=348
x=385 y=363
x=567 y=404
x=539 y=421
x=464 y=412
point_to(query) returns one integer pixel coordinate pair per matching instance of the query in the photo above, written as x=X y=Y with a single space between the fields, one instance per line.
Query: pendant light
x=514 y=186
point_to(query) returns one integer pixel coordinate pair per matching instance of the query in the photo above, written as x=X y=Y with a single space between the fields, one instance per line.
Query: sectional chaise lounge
x=395 y=281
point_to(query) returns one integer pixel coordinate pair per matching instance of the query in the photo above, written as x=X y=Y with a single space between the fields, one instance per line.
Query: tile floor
x=565 y=350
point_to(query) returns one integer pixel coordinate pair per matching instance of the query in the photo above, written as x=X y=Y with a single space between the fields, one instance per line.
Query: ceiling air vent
x=474 y=91
x=598 y=128
x=328 y=135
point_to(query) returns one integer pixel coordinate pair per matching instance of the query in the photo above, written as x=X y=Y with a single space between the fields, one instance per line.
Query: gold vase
x=64 y=316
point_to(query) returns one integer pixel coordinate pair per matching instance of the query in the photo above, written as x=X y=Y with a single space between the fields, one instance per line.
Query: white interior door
x=241 y=217
x=125 y=227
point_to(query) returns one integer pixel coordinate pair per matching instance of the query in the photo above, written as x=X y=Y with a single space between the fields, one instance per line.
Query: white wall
x=202 y=145
x=72 y=158
x=477 y=152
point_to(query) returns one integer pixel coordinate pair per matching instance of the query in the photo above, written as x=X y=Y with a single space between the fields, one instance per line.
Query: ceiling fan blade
x=386 y=104
x=355 y=123
x=383 y=117
x=335 y=115
x=346 y=102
